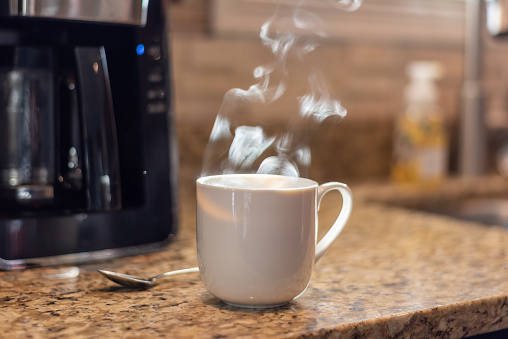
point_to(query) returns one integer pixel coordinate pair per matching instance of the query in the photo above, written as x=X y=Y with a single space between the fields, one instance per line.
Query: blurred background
x=216 y=46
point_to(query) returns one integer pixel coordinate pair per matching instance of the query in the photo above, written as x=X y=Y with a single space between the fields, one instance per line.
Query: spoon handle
x=168 y=274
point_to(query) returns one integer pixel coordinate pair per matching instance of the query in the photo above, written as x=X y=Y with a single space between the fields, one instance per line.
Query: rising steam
x=239 y=148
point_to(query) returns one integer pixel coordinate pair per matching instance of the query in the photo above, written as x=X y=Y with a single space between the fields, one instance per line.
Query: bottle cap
x=421 y=87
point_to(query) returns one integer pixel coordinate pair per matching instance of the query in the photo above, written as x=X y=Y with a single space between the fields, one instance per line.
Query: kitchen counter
x=391 y=273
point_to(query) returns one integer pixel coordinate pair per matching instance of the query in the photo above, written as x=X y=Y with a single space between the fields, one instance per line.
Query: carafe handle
x=99 y=130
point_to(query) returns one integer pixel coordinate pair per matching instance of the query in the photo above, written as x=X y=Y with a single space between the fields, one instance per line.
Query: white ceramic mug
x=257 y=233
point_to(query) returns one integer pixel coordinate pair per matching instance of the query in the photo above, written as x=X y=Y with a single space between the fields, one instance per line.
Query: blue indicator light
x=140 y=49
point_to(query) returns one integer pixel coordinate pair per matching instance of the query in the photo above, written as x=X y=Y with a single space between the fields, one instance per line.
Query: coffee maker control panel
x=155 y=78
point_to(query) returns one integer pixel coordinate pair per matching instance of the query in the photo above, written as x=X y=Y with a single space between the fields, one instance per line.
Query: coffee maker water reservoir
x=87 y=153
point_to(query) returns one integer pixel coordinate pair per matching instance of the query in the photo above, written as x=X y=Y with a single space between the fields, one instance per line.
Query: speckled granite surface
x=392 y=273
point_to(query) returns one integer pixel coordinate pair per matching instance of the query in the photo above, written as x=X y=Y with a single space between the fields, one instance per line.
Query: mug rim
x=304 y=183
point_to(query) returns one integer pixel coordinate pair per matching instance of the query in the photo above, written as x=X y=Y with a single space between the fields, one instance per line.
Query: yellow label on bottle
x=420 y=153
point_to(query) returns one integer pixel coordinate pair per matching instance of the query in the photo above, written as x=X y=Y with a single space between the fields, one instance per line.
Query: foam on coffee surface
x=257 y=181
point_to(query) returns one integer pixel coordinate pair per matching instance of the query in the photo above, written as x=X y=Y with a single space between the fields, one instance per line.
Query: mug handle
x=340 y=222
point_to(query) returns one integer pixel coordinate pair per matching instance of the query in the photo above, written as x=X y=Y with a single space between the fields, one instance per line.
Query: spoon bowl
x=137 y=282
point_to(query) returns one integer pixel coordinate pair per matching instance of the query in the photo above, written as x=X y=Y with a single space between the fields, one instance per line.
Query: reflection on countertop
x=393 y=272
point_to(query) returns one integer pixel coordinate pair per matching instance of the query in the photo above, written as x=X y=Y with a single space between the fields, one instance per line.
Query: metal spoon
x=136 y=282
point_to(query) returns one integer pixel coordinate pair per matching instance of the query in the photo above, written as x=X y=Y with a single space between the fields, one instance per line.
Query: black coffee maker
x=87 y=153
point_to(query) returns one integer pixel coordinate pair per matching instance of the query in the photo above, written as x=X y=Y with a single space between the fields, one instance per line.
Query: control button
x=155 y=77
x=157 y=107
x=156 y=93
x=156 y=74
x=154 y=51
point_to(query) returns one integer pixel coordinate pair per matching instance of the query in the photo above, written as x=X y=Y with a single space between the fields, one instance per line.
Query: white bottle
x=421 y=138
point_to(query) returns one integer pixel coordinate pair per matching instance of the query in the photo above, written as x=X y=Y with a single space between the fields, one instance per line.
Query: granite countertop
x=392 y=273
